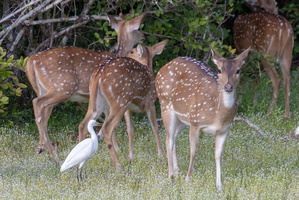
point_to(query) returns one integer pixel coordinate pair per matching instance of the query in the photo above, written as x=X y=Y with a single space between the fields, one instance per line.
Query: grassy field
x=255 y=165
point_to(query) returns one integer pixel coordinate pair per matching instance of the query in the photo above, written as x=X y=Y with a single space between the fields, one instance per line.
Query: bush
x=9 y=83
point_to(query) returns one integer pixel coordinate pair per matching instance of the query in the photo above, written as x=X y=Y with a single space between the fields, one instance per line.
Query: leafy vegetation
x=9 y=83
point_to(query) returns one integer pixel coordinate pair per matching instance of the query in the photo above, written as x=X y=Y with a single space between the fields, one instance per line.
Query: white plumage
x=82 y=151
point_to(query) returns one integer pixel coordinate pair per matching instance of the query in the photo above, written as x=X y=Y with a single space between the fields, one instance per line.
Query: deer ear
x=243 y=56
x=113 y=22
x=134 y=24
x=216 y=57
x=121 y=16
x=140 y=50
x=158 y=48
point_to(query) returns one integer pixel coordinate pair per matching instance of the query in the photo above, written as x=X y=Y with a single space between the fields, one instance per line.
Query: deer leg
x=179 y=127
x=194 y=139
x=108 y=128
x=114 y=141
x=286 y=79
x=170 y=121
x=219 y=144
x=130 y=131
x=272 y=74
x=96 y=106
x=285 y=64
x=83 y=127
x=151 y=114
x=42 y=112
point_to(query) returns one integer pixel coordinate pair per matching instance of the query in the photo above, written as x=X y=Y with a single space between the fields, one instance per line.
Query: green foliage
x=291 y=11
x=191 y=27
x=9 y=84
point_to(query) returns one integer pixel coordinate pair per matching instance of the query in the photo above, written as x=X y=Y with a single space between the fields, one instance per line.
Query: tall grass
x=255 y=166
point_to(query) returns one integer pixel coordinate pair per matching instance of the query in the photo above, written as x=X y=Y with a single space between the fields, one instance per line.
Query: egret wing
x=80 y=153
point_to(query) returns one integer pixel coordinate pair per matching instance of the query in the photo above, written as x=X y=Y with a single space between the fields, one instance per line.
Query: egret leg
x=79 y=175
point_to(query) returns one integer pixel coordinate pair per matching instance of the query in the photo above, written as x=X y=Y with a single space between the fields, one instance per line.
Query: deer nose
x=228 y=87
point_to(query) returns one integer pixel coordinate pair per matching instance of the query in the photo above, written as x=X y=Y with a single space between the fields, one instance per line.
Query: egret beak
x=98 y=124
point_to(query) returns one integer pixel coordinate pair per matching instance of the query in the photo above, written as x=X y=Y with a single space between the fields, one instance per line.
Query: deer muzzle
x=228 y=87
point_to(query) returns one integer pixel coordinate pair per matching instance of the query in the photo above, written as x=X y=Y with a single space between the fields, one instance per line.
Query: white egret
x=82 y=151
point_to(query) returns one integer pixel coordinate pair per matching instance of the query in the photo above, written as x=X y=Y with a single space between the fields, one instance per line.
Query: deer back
x=198 y=94
x=66 y=71
x=185 y=83
x=63 y=69
x=267 y=33
x=129 y=80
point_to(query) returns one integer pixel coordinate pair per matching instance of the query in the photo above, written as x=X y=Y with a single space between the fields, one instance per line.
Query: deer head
x=127 y=33
x=267 y=5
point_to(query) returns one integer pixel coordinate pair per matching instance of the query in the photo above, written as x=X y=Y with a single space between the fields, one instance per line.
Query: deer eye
x=238 y=71
x=219 y=71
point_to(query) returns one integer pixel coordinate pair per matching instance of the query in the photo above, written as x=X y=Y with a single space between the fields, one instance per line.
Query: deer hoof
x=39 y=150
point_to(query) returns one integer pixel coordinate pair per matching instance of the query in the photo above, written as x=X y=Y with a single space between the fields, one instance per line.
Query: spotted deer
x=62 y=74
x=192 y=94
x=121 y=86
x=272 y=36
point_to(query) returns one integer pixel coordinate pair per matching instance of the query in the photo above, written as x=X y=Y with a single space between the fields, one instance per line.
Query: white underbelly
x=212 y=129
x=78 y=98
x=134 y=108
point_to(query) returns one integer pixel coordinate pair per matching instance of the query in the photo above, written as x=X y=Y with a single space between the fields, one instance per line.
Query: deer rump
x=125 y=92
x=251 y=33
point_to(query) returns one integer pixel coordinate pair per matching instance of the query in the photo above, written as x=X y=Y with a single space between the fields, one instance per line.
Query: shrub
x=9 y=83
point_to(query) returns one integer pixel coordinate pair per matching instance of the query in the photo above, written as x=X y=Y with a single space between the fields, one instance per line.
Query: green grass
x=255 y=166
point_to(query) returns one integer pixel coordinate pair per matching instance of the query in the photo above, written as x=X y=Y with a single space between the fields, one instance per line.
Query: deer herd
x=190 y=92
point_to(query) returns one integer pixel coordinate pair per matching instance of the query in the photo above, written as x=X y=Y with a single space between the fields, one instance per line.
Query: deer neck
x=124 y=45
x=227 y=100
x=227 y=106
x=122 y=49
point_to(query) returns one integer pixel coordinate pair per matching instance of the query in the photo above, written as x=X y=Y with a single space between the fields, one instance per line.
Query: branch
x=159 y=35
x=18 y=38
x=18 y=68
x=87 y=8
x=66 y=19
x=55 y=3
x=255 y=127
x=56 y=35
x=13 y=14
x=33 y=12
